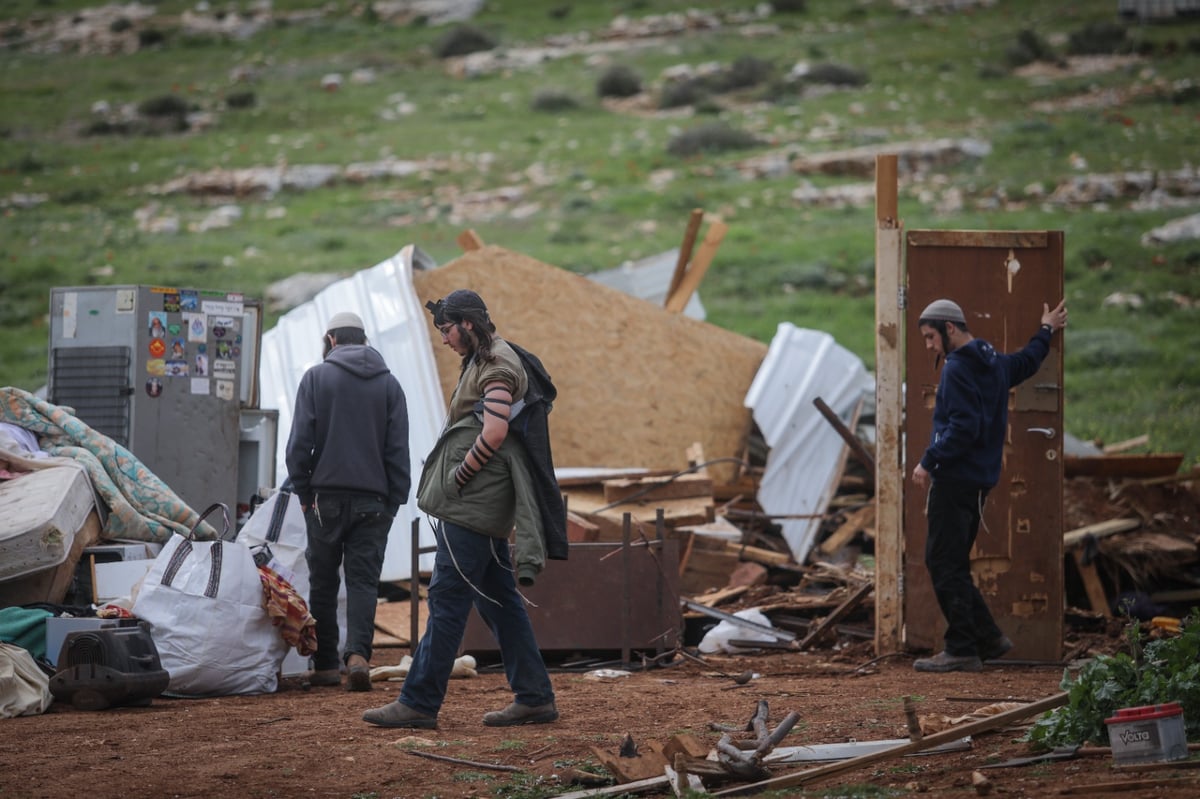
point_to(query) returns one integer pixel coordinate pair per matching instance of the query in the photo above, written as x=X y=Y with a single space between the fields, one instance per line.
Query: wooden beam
x=839 y=613
x=678 y=299
x=988 y=724
x=685 y=251
x=889 y=410
x=1075 y=537
x=847 y=435
x=469 y=240
x=1091 y=584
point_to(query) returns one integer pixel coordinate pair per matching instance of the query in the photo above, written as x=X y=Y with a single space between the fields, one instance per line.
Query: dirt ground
x=302 y=742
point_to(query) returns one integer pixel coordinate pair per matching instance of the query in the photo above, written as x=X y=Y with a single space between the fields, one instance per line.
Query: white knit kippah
x=943 y=311
x=345 y=319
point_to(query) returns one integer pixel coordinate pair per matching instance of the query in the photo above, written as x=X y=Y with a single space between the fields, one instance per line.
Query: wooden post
x=685 y=251
x=889 y=381
x=678 y=299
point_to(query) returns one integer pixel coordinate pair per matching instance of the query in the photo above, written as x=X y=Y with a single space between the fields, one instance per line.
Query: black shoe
x=397 y=714
x=995 y=649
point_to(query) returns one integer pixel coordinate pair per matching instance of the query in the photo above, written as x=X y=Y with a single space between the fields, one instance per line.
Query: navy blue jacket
x=970 y=414
x=350 y=429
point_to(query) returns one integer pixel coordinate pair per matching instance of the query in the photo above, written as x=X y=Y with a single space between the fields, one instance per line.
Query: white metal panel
x=801 y=472
x=649 y=279
x=394 y=320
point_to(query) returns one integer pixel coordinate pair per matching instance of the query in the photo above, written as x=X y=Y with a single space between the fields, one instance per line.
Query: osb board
x=636 y=385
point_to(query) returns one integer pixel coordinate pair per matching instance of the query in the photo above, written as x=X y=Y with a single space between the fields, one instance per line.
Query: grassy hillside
x=89 y=143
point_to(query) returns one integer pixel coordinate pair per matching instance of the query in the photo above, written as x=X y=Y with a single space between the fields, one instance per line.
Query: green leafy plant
x=1158 y=671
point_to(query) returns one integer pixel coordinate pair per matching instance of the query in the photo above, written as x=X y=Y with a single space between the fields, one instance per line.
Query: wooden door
x=1001 y=279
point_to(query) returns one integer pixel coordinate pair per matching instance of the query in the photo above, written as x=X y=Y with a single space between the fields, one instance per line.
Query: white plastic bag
x=717 y=639
x=24 y=689
x=204 y=602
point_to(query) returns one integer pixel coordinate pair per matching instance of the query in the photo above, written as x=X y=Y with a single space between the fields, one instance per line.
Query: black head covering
x=456 y=305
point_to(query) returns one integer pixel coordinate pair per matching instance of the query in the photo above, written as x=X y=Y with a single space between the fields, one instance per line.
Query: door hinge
x=902 y=298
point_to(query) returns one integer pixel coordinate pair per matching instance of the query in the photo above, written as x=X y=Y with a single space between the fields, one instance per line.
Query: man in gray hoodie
x=347 y=459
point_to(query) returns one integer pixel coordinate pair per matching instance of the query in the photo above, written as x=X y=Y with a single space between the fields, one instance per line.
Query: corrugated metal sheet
x=801 y=472
x=396 y=326
x=649 y=279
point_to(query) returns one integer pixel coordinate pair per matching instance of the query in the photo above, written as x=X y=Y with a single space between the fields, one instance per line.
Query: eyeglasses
x=445 y=329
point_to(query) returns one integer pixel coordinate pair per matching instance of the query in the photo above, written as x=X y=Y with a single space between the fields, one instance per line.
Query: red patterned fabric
x=288 y=611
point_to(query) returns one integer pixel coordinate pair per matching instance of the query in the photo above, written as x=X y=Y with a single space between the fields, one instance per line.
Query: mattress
x=40 y=513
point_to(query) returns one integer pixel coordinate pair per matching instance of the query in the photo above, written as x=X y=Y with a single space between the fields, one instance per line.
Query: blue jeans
x=349 y=529
x=465 y=559
x=954 y=512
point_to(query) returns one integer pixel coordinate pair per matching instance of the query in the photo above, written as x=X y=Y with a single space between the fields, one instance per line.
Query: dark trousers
x=345 y=530
x=953 y=512
x=472 y=569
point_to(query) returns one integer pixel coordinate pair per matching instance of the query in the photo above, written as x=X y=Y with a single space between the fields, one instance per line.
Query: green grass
x=1128 y=371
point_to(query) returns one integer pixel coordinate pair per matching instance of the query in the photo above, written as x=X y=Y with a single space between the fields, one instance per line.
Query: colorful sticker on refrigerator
x=188 y=301
x=223 y=368
x=177 y=368
x=200 y=385
x=197 y=326
x=225 y=389
x=154 y=387
x=201 y=365
x=158 y=324
x=178 y=349
x=157 y=348
x=171 y=302
x=156 y=366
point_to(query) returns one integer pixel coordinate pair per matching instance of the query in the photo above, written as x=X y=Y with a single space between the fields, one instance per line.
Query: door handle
x=1048 y=432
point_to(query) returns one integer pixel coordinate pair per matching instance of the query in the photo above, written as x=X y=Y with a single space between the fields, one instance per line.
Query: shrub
x=836 y=75
x=166 y=105
x=710 y=137
x=245 y=99
x=1100 y=38
x=681 y=93
x=463 y=40
x=150 y=37
x=618 y=81
x=746 y=71
x=553 y=100
x=120 y=25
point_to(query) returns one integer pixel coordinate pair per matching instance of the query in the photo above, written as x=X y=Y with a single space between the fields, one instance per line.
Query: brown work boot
x=944 y=661
x=516 y=714
x=358 y=673
x=324 y=677
x=397 y=714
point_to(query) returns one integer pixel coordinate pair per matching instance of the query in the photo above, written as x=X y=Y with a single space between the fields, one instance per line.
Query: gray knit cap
x=345 y=319
x=943 y=311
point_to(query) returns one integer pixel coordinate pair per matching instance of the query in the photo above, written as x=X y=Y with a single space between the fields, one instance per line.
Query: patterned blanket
x=141 y=506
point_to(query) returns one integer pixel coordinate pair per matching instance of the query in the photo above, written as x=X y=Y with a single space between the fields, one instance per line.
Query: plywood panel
x=637 y=385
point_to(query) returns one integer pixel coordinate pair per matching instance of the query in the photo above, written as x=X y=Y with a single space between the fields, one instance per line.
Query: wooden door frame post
x=889 y=408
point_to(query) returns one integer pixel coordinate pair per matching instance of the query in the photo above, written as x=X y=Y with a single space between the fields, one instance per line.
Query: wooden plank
x=469 y=240
x=855 y=522
x=1006 y=239
x=685 y=250
x=646 y=764
x=628 y=788
x=988 y=724
x=889 y=412
x=847 y=435
x=652 y=489
x=1075 y=537
x=678 y=300
x=839 y=613
x=1158 y=465
x=1091 y=584
x=1127 y=444
x=766 y=557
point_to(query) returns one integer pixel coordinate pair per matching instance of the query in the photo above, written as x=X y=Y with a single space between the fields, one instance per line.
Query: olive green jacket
x=497 y=499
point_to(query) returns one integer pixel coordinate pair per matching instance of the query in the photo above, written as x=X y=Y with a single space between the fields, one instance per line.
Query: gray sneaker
x=397 y=714
x=516 y=714
x=942 y=662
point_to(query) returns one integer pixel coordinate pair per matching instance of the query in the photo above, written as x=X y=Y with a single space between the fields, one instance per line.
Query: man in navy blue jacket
x=347 y=458
x=960 y=466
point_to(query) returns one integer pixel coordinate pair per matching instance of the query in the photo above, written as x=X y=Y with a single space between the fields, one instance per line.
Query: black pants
x=953 y=513
x=350 y=531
